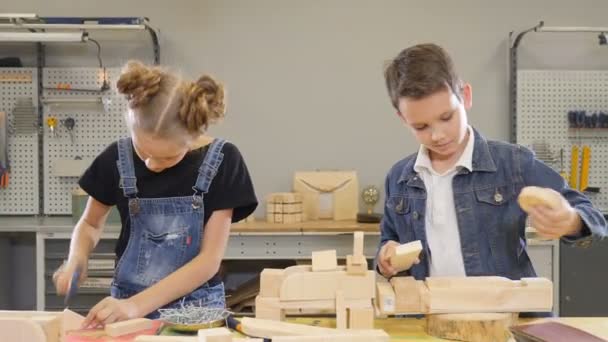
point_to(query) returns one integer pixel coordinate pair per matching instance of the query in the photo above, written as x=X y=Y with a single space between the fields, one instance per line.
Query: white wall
x=305 y=77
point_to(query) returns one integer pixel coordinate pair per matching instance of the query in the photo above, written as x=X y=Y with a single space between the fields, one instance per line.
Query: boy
x=458 y=194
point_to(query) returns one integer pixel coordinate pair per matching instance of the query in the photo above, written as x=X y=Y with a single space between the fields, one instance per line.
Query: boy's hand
x=384 y=261
x=557 y=221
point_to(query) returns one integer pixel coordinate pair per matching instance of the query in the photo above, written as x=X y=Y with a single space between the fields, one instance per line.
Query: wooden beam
x=323 y=285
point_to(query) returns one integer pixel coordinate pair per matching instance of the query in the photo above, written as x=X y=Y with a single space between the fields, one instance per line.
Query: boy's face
x=438 y=121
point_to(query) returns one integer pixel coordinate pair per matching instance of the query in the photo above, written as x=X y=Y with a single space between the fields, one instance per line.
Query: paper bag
x=330 y=195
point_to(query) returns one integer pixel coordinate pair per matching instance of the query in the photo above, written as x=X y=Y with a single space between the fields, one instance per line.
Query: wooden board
x=21 y=329
x=323 y=285
x=271 y=329
x=472 y=327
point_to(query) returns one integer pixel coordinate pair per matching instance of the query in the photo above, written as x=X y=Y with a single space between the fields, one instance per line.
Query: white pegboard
x=97 y=126
x=22 y=195
x=544 y=98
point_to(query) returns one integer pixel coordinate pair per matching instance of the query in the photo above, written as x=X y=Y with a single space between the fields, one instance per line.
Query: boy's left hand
x=553 y=223
x=110 y=310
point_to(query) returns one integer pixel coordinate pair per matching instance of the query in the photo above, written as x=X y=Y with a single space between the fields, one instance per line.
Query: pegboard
x=97 y=126
x=544 y=98
x=22 y=195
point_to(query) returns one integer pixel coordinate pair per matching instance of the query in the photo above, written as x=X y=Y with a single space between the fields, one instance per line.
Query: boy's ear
x=467 y=96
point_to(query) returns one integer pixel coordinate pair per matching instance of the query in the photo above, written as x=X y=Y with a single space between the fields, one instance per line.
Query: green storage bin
x=79 y=202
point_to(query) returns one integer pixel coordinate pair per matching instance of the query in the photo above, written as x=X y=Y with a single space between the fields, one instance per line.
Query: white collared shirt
x=440 y=221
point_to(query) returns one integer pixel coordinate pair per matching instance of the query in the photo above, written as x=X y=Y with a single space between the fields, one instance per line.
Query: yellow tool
x=585 y=168
x=574 y=167
x=51 y=121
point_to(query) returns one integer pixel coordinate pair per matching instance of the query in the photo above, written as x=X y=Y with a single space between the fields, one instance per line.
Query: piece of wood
x=49 y=322
x=151 y=338
x=344 y=336
x=70 y=320
x=341 y=314
x=472 y=327
x=361 y=318
x=403 y=256
x=531 y=196
x=214 y=335
x=489 y=294
x=127 y=327
x=324 y=261
x=269 y=308
x=408 y=295
x=22 y=329
x=385 y=296
x=323 y=285
x=270 y=282
x=358 y=244
x=356 y=265
x=270 y=329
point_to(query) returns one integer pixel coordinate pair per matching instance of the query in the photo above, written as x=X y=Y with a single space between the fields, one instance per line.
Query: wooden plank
x=352 y=336
x=127 y=327
x=481 y=294
x=323 y=285
x=70 y=320
x=272 y=329
x=324 y=261
x=408 y=295
x=356 y=265
x=151 y=338
x=214 y=335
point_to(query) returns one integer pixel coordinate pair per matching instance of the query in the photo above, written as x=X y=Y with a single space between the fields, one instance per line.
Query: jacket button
x=498 y=197
x=415 y=215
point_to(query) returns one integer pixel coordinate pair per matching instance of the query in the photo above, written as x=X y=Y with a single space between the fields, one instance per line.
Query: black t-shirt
x=231 y=187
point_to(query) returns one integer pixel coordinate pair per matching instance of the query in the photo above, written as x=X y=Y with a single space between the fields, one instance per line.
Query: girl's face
x=158 y=153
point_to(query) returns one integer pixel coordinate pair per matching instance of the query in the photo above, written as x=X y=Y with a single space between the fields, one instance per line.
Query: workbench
x=257 y=240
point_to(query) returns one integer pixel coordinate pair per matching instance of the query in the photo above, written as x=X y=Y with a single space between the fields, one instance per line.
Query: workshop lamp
x=64 y=37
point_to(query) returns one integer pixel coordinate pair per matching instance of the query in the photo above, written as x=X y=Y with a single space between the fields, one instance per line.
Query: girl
x=176 y=201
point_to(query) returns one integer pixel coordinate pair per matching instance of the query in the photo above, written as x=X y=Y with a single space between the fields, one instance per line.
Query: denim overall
x=165 y=233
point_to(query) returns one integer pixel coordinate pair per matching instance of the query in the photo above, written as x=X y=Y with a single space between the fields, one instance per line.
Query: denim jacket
x=490 y=221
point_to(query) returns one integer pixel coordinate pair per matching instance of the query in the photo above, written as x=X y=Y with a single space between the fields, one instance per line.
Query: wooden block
x=127 y=327
x=271 y=280
x=323 y=285
x=324 y=261
x=531 y=196
x=48 y=322
x=269 y=308
x=405 y=255
x=361 y=318
x=70 y=320
x=341 y=319
x=358 y=244
x=214 y=335
x=356 y=265
x=385 y=296
x=473 y=327
x=407 y=295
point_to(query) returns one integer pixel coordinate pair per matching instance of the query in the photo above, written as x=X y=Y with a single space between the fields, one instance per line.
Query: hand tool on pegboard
x=25 y=116
x=4 y=163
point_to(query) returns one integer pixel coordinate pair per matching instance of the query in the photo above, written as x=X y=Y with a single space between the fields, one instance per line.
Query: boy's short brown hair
x=419 y=71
